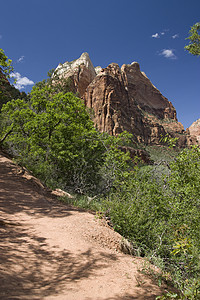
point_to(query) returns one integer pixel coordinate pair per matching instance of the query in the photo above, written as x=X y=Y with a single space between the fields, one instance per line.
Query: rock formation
x=194 y=130
x=80 y=71
x=124 y=99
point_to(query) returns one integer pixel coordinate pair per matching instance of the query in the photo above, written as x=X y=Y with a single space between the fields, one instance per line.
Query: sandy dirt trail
x=52 y=251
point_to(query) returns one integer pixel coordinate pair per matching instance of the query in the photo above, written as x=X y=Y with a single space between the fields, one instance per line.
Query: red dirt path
x=52 y=251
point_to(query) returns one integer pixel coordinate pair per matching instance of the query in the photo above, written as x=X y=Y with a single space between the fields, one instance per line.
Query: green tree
x=5 y=64
x=7 y=91
x=53 y=135
x=194 y=44
x=57 y=84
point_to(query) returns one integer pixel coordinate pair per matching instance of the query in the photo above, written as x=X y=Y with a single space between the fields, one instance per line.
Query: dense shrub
x=160 y=214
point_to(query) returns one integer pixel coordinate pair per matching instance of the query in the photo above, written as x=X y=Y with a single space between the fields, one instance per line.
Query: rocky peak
x=124 y=99
x=81 y=72
x=98 y=69
x=84 y=59
x=147 y=96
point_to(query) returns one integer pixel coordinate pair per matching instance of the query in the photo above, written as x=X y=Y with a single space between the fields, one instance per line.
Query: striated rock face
x=124 y=99
x=140 y=89
x=194 y=130
x=80 y=71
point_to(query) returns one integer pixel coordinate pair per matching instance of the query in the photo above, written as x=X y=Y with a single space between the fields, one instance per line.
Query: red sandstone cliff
x=124 y=99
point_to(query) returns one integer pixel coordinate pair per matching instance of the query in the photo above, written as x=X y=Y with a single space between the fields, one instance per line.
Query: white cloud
x=21 y=82
x=175 y=36
x=168 y=53
x=156 y=36
x=20 y=59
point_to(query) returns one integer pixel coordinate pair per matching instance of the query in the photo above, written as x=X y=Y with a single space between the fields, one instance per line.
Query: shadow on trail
x=30 y=268
x=21 y=194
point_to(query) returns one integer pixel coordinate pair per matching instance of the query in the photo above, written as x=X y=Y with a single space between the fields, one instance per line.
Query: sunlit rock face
x=124 y=99
x=80 y=71
x=194 y=130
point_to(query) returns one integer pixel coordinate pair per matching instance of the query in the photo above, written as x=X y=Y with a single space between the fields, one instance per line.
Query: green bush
x=160 y=214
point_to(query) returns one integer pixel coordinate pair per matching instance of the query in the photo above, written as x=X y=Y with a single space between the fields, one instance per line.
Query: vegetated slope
x=53 y=251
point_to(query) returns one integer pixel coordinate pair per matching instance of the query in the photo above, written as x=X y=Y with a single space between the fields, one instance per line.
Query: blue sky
x=39 y=34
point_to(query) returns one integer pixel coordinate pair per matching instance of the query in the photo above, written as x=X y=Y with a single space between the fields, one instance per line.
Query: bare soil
x=52 y=251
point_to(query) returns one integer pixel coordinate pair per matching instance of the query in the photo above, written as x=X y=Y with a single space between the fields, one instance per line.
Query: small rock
x=61 y=193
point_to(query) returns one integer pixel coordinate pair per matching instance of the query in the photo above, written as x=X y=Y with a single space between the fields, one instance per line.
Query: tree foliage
x=49 y=132
x=53 y=135
x=5 y=64
x=7 y=91
x=194 y=38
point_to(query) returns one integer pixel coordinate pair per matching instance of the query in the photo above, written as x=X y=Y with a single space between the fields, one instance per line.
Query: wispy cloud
x=155 y=36
x=175 y=36
x=20 y=59
x=21 y=82
x=168 y=53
